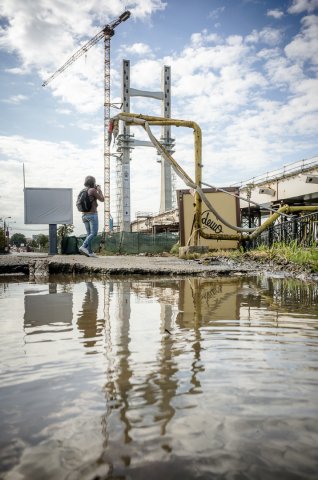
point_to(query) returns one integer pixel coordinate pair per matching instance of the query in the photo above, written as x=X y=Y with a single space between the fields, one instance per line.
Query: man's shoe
x=84 y=251
x=93 y=255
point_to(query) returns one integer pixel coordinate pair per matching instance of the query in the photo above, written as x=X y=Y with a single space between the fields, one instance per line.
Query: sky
x=244 y=70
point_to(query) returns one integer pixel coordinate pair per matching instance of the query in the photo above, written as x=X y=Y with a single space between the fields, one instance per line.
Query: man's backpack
x=83 y=201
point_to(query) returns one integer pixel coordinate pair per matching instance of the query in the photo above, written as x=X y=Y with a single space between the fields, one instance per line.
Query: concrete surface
x=42 y=265
x=31 y=263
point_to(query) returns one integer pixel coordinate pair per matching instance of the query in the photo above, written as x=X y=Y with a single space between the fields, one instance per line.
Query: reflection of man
x=87 y=320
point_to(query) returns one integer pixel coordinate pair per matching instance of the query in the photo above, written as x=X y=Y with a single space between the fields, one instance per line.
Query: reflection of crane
x=106 y=33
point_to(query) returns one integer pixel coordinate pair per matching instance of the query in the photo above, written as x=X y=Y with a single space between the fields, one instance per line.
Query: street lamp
x=4 y=222
x=7 y=233
x=4 y=232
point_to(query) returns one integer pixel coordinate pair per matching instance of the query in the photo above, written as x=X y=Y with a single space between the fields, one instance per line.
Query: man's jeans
x=91 y=224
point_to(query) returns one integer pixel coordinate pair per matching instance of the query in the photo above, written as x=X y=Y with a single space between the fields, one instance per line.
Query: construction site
x=203 y=215
x=183 y=343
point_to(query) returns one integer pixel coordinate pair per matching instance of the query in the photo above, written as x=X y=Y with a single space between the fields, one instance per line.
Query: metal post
x=198 y=176
x=166 y=180
x=52 y=239
x=124 y=161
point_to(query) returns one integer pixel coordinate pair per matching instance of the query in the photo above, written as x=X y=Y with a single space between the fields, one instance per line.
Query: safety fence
x=123 y=243
x=302 y=230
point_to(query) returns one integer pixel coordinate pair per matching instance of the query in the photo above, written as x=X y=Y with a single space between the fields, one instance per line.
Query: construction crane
x=107 y=32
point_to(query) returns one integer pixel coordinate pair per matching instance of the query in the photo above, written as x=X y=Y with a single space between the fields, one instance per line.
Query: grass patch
x=175 y=249
x=281 y=253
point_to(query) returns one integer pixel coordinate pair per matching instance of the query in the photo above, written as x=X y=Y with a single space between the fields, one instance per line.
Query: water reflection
x=200 y=377
x=47 y=309
x=87 y=322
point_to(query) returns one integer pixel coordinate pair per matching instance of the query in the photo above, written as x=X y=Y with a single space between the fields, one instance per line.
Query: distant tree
x=43 y=240
x=64 y=231
x=17 y=239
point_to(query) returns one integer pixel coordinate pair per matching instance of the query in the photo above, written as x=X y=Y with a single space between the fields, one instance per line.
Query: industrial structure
x=295 y=184
x=106 y=33
x=198 y=230
x=262 y=200
x=126 y=142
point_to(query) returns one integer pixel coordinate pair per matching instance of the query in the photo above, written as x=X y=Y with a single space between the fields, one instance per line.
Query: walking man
x=90 y=218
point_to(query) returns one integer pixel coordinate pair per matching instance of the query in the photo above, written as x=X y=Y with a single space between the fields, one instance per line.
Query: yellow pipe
x=284 y=209
x=268 y=222
x=198 y=229
x=197 y=157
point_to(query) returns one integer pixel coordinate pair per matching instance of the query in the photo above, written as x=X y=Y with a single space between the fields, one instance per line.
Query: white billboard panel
x=48 y=206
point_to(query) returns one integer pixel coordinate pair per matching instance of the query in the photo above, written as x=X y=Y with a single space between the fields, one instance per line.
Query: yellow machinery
x=241 y=234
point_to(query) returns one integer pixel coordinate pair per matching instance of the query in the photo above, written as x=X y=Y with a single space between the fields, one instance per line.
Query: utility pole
x=107 y=32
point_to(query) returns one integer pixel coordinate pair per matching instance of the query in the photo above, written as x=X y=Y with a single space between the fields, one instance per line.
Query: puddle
x=159 y=379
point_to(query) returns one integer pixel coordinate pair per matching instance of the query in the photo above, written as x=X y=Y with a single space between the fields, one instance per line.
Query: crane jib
x=108 y=30
x=106 y=33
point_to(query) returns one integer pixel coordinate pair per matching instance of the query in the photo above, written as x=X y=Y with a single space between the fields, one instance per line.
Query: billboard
x=48 y=206
x=227 y=207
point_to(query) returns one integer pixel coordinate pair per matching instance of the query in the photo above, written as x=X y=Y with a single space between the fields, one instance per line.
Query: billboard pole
x=52 y=239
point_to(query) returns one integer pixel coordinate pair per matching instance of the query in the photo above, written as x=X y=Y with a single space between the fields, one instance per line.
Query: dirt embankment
x=274 y=265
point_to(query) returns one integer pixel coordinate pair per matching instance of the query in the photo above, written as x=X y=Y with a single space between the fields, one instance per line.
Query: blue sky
x=245 y=70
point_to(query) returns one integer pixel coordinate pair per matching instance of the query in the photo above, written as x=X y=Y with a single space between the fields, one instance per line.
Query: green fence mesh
x=123 y=243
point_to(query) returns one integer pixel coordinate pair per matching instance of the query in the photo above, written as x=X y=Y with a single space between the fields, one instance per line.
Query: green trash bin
x=69 y=246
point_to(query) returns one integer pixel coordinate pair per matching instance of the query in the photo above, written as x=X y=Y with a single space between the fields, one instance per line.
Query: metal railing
x=302 y=230
x=286 y=171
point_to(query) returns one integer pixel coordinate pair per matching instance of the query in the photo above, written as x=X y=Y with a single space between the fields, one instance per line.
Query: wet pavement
x=130 y=264
x=34 y=264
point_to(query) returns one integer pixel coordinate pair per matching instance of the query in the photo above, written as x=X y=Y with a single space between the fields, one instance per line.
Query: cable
x=189 y=182
x=245 y=199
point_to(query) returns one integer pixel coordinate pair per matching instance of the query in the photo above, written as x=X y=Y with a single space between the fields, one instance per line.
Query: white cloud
x=282 y=73
x=59 y=27
x=64 y=111
x=201 y=38
x=47 y=164
x=144 y=8
x=145 y=74
x=137 y=49
x=304 y=45
x=15 y=99
x=275 y=13
x=16 y=70
x=299 y=6
x=269 y=36
x=214 y=14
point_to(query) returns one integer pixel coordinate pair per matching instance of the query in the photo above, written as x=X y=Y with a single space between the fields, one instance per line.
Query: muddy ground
x=41 y=265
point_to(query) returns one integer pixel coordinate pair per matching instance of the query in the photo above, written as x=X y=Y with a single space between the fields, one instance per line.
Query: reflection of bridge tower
x=124 y=368
x=126 y=142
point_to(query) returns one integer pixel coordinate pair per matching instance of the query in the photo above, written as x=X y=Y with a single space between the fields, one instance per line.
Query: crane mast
x=107 y=32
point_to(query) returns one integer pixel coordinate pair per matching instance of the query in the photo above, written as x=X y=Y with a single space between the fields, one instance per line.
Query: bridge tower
x=126 y=142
